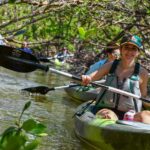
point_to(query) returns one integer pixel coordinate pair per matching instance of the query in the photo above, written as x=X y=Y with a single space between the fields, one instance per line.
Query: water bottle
x=129 y=115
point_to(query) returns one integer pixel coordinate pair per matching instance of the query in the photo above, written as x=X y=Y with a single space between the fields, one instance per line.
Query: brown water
x=54 y=109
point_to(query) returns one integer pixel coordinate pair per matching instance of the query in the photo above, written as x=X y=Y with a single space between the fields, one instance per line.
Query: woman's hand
x=86 y=79
x=143 y=116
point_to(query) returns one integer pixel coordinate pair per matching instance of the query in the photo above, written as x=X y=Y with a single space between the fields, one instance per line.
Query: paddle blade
x=43 y=59
x=39 y=89
x=17 y=60
x=19 y=32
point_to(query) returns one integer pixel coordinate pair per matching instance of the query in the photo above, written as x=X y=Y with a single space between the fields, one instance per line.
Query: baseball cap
x=132 y=39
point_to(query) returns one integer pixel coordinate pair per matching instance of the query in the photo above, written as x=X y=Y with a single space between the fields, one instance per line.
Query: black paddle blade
x=39 y=89
x=19 y=32
x=17 y=60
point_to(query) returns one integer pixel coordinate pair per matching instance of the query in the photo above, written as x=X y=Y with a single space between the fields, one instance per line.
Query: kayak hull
x=112 y=136
x=75 y=93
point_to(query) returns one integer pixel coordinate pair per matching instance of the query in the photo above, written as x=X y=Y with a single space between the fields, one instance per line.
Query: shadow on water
x=54 y=109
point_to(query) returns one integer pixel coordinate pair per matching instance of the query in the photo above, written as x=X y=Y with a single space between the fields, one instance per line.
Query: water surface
x=54 y=109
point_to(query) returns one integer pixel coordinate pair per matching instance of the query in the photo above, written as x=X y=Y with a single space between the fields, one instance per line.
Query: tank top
x=108 y=99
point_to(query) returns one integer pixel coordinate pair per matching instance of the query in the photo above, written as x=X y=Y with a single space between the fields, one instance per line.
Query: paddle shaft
x=45 y=68
x=62 y=87
x=112 y=89
x=16 y=34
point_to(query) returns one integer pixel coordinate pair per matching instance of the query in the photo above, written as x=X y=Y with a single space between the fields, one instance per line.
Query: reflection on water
x=54 y=109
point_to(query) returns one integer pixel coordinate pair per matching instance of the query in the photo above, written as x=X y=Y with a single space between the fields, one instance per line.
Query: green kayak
x=82 y=93
x=105 y=134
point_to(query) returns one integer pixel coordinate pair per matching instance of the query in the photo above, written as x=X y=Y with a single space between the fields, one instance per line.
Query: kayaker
x=123 y=74
x=112 y=53
x=25 y=48
x=62 y=55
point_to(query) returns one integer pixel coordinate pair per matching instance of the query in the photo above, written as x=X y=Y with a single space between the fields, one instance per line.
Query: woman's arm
x=104 y=70
x=143 y=84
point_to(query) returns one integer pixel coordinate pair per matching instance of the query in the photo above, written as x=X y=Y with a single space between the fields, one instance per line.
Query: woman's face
x=129 y=52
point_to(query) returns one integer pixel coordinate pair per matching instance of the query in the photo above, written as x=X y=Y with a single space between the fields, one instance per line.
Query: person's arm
x=98 y=74
x=143 y=116
x=143 y=84
x=96 y=66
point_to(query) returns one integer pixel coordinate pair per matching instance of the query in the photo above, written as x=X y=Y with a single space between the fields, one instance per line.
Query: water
x=55 y=109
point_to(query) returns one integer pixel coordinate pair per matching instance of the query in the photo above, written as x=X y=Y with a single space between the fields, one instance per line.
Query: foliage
x=12 y=1
x=24 y=135
x=75 y=24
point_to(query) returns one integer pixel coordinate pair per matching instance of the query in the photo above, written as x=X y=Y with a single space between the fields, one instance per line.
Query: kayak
x=105 y=134
x=82 y=93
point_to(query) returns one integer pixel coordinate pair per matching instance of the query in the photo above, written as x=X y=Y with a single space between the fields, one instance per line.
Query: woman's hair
x=108 y=50
x=111 y=47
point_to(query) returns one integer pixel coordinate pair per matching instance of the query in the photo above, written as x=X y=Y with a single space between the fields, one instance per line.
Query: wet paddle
x=20 y=61
x=11 y=36
x=44 y=89
x=17 y=60
x=19 y=33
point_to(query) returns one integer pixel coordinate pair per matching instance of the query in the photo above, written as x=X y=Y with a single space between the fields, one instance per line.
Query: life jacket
x=108 y=99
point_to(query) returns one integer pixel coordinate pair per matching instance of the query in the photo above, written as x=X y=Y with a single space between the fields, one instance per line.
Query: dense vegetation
x=76 y=24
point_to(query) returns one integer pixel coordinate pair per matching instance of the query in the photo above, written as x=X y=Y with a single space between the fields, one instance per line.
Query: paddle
x=25 y=62
x=44 y=89
x=19 y=32
x=15 y=34
x=17 y=60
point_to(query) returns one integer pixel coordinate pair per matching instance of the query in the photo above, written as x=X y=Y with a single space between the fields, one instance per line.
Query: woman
x=124 y=74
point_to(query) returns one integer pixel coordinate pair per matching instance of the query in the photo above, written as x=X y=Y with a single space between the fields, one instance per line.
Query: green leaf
x=8 y=132
x=34 y=127
x=43 y=134
x=71 y=47
x=81 y=33
x=29 y=125
x=26 y=106
x=14 y=141
x=39 y=129
x=34 y=28
x=32 y=145
x=148 y=11
x=12 y=1
x=90 y=33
